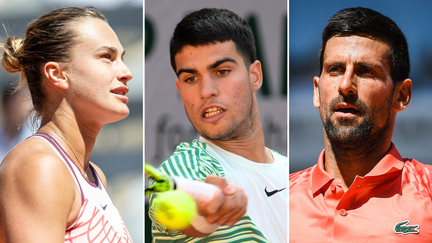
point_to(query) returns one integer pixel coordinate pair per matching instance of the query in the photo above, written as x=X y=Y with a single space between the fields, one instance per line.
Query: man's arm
x=191 y=161
x=226 y=208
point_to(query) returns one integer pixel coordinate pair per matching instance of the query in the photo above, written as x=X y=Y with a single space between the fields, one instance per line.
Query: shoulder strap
x=63 y=156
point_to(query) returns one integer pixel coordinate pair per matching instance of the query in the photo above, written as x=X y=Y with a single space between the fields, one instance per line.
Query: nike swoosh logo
x=269 y=194
x=103 y=207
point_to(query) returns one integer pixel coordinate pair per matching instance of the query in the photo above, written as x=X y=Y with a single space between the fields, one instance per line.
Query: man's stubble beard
x=234 y=130
x=360 y=135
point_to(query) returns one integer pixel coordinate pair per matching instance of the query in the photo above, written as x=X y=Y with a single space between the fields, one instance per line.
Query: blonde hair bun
x=11 y=54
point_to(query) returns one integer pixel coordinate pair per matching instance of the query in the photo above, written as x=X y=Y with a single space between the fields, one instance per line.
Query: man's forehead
x=363 y=46
x=369 y=37
x=210 y=52
x=208 y=45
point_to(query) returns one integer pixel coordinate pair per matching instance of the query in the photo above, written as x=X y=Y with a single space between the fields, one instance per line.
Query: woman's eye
x=107 y=56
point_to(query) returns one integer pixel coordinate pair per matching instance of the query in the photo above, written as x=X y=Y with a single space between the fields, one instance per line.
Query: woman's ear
x=255 y=75
x=54 y=74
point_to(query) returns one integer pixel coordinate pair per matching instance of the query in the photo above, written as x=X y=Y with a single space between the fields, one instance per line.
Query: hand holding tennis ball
x=175 y=209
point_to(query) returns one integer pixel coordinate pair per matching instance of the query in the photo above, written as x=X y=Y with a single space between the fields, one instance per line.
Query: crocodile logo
x=404 y=228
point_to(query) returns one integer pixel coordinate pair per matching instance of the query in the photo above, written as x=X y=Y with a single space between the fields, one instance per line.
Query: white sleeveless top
x=98 y=220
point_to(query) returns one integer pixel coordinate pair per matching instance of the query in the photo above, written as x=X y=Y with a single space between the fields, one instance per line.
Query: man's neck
x=251 y=147
x=347 y=163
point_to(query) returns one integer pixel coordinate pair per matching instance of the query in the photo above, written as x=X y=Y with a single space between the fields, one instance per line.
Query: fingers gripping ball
x=175 y=209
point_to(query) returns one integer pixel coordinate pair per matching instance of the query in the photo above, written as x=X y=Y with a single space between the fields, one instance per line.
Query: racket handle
x=198 y=190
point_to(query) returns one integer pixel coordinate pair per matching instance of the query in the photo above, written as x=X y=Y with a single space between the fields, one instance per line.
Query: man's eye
x=366 y=71
x=223 y=72
x=335 y=70
x=190 y=79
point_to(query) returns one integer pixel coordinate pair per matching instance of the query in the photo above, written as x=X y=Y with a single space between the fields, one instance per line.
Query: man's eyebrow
x=186 y=70
x=357 y=63
x=219 y=62
x=367 y=64
x=334 y=64
x=211 y=66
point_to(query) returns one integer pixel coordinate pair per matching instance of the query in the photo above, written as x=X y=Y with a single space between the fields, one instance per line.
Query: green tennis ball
x=174 y=209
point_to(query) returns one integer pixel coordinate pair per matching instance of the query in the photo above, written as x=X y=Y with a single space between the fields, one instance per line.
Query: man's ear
x=178 y=88
x=316 y=97
x=402 y=96
x=54 y=74
x=177 y=85
x=255 y=75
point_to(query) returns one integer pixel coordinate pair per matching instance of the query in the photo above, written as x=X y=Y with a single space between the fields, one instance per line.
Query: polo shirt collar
x=390 y=163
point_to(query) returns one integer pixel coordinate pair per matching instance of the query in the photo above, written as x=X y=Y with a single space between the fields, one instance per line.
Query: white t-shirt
x=264 y=184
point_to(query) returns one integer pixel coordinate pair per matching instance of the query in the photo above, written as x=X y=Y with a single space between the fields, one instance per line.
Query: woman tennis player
x=72 y=62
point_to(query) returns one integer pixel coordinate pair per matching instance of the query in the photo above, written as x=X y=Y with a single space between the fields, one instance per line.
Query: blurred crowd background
x=413 y=130
x=119 y=146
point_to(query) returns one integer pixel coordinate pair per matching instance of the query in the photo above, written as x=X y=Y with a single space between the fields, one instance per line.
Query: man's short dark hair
x=211 y=25
x=369 y=23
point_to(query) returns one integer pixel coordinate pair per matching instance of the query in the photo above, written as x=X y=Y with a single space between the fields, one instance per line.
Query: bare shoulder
x=37 y=193
x=100 y=174
x=32 y=154
x=33 y=167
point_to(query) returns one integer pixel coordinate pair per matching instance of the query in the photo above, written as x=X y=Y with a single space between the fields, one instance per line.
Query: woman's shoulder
x=37 y=191
x=30 y=153
x=35 y=163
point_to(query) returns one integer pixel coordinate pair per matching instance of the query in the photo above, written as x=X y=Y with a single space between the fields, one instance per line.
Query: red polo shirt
x=392 y=203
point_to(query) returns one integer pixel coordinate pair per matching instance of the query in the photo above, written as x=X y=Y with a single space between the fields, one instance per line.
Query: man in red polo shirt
x=361 y=189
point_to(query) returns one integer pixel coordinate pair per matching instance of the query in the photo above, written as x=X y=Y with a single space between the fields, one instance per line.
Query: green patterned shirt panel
x=192 y=161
